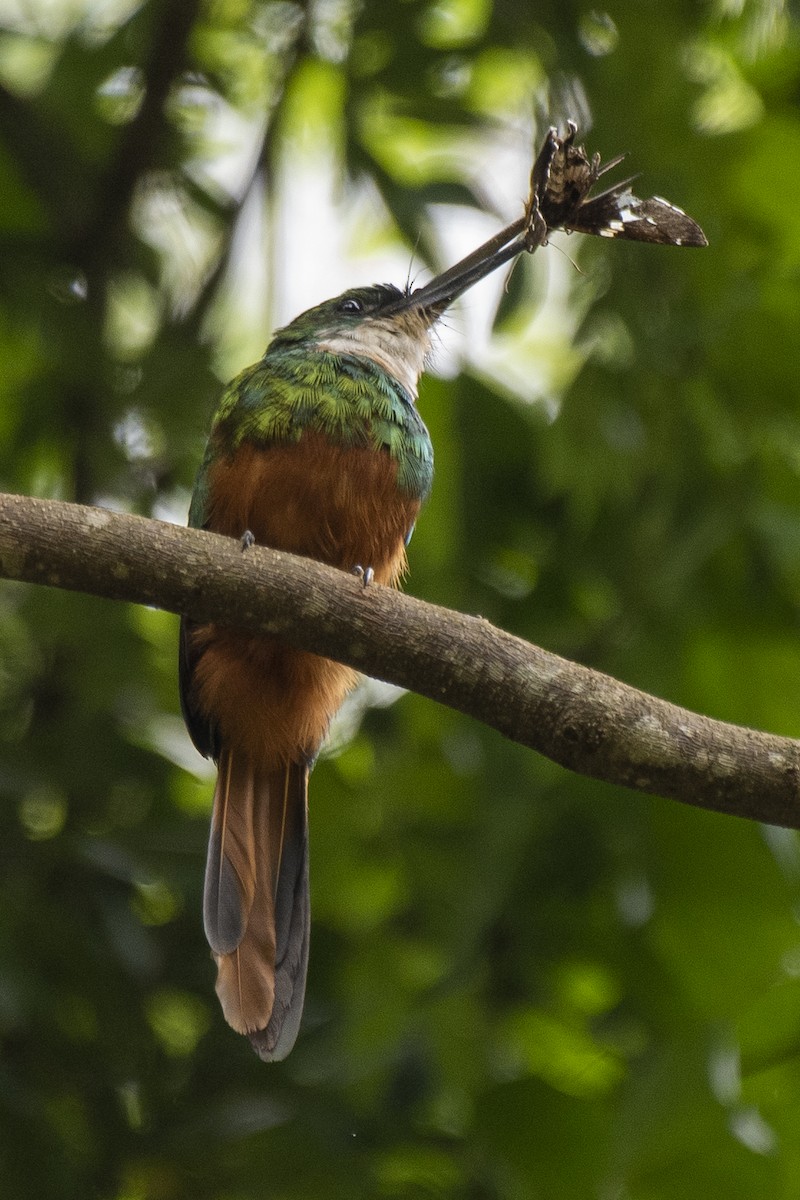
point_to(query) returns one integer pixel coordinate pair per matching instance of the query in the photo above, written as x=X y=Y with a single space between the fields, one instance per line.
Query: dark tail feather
x=292 y=916
x=256 y=907
x=231 y=866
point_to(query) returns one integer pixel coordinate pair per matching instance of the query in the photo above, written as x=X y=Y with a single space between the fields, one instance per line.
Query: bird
x=319 y=450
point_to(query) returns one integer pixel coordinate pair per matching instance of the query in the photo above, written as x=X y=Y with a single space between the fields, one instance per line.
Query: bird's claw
x=247 y=540
x=365 y=574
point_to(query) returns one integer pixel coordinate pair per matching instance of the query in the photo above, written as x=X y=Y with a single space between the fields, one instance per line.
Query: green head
x=389 y=325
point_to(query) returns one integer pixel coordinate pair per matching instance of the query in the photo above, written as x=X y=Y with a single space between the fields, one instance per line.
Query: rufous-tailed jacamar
x=318 y=450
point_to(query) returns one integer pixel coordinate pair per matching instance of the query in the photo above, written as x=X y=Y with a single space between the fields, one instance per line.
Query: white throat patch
x=399 y=351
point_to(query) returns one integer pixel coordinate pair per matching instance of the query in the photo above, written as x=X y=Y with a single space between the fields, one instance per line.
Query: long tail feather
x=230 y=881
x=256 y=908
x=292 y=919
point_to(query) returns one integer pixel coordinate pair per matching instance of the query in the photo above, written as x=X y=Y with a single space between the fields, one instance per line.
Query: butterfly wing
x=618 y=213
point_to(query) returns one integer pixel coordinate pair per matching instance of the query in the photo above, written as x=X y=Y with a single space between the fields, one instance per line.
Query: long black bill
x=445 y=288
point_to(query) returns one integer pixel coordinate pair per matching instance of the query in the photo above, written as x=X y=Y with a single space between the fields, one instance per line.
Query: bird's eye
x=351 y=305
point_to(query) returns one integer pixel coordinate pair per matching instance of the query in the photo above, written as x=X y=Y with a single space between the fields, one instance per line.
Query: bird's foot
x=365 y=574
x=247 y=540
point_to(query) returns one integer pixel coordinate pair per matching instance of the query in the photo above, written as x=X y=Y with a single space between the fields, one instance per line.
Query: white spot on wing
x=672 y=207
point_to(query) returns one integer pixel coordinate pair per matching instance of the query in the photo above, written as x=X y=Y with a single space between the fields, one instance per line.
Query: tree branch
x=580 y=718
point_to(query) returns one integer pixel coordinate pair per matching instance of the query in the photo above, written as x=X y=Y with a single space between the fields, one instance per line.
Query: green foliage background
x=522 y=984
